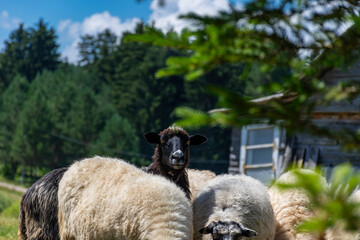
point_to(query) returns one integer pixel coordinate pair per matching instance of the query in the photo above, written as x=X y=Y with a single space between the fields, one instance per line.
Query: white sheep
x=103 y=198
x=198 y=179
x=231 y=207
x=291 y=207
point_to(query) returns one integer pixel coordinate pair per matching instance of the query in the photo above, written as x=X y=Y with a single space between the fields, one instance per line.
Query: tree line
x=53 y=112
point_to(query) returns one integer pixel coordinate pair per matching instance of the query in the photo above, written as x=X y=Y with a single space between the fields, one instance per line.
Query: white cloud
x=166 y=17
x=63 y=25
x=70 y=32
x=7 y=22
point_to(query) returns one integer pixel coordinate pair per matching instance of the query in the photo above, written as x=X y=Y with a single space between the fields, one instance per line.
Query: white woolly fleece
x=291 y=207
x=104 y=198
x=198 y=179
x=236 y=198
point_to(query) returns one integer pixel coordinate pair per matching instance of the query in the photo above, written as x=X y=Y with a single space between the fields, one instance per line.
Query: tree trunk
x=22 y=174
x=14 y=166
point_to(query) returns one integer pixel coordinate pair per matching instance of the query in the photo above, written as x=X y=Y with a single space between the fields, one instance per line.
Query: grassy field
x=9 y=211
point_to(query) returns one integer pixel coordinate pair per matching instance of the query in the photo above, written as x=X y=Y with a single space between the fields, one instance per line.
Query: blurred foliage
x=334 y=204
x=305 y=38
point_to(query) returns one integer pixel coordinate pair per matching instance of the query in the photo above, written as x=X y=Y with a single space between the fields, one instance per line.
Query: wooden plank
x=258 y=127
x=233 y=170
x=336 y=116
x=340 y=122
x=311 y=157
x=234 y=163
x=264 y=165
x=339 y=107
x=283 y=139
x=305 y=139
x=298 y=157
x=243 y=149
x=276 y=151
x=335 y=75
x=330 y=155
x=233 y=156
x=267 y=145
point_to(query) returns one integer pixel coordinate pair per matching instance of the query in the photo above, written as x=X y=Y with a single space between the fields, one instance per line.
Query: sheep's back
x=291 y=207
x=38 y=208
x=198 y=179
x=236 y=198
x=103 y=198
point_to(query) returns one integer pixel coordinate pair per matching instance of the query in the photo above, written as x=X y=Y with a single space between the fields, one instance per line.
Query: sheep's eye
x=162 y=141
x=188 y=142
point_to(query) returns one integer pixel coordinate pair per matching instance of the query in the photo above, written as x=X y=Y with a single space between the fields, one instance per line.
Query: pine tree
x=28 y=52
x=43 y=49
x=14 y=59
x=12 y=101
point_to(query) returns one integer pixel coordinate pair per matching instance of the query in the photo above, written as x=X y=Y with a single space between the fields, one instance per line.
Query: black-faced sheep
x=104 y=198
x=291 y=207
x=38 y=209
x=171 y=155
x=232 y=207
x=198 y=179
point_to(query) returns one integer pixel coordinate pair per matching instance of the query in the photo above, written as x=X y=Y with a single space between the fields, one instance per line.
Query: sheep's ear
x=208 y=229
x=197 y=139
x=152 y=137
x=247 y=232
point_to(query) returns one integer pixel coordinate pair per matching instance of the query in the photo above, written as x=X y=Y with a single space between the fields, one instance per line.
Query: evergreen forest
x=53 y=112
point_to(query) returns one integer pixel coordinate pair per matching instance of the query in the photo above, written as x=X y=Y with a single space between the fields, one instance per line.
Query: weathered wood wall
x=309 y=151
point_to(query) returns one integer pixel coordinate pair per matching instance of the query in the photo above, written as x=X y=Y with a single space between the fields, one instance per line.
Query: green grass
x=8 y=228
x=9 y=202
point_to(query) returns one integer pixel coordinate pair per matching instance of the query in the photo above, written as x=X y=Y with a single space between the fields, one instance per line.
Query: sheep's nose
x=178 y=154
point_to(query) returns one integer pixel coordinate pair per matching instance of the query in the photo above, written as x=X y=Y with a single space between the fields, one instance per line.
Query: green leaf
x=191 y=118
x=315 y=225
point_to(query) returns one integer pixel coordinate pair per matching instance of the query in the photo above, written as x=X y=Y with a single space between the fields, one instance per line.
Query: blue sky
x=73 y=18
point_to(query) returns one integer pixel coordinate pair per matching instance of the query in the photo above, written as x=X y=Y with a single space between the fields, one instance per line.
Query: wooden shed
x=265 y=151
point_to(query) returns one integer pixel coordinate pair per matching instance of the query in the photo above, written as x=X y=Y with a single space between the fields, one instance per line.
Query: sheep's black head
x=172 y=148
x=227 y=231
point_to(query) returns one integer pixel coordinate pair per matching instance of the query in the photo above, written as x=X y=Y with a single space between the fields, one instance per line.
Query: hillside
x=9 y=211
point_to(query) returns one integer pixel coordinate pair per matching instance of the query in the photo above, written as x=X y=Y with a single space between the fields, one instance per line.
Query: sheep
x=198 y=179
x=41 y=221
x=105 y=198
x=231 y=207
x=171 y=154
x=291 y=207
x=38 y=209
